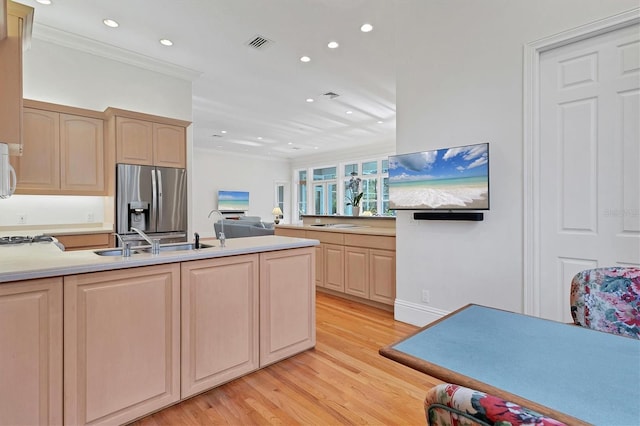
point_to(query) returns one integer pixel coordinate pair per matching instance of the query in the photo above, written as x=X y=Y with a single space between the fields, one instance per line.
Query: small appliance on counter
x=7 y=174
x=152 y=199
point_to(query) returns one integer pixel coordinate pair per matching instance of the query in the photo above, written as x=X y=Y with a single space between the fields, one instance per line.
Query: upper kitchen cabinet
x=19 y=20
x=147 y=139
x=63 y=151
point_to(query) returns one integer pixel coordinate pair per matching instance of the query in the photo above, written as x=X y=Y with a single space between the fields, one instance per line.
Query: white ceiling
x=262 y=93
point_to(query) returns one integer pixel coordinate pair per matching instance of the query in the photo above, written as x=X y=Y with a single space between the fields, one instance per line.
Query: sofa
x=245 y=226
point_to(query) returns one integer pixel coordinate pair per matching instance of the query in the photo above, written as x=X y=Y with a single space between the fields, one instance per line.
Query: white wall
x=462 y=83
x=57 y=74
x=216 y=170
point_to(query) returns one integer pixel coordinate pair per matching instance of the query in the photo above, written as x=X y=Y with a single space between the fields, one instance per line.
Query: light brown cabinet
x=18 y=31
x=219 y=321
x=85 y=241
x=370 y=267
x=31 y=352
x=359 y=265
x=62 y=153
x=287 y=304
x=121 y=344
x=148 y=140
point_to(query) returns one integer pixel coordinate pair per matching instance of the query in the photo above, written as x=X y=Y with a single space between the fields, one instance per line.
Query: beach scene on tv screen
x=450 y=178
x=233 y=200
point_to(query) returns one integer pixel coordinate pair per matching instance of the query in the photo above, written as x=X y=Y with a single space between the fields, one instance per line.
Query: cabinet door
x=38 y=169
x=134 y=141
x=356 y=271
x=287 y=304
x=169 y=146
x=334 y=267
x=31 y=352
x=81 y=154
x=219 y=321
x=319 y=249
x=121 y=343
x=11 y=81
x=382 y=273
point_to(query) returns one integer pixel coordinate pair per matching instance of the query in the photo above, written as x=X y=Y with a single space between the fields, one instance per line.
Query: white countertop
x=40 y=260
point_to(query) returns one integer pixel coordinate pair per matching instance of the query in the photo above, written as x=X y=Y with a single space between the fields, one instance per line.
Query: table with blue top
x=573 y=374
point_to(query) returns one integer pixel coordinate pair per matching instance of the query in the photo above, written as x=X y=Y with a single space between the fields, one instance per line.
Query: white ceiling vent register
x=259 y=42
x=330 y=95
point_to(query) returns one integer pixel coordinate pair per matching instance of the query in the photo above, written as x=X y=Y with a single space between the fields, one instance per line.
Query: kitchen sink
x=147 y=249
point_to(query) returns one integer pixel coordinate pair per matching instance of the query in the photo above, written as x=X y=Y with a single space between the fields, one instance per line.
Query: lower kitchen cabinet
x=287 y=303
x=219 y=321
x=31 y=352
x=382 y=276
x=121 y=343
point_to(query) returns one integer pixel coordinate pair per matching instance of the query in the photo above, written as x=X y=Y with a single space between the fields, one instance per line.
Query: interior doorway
x=582 y=189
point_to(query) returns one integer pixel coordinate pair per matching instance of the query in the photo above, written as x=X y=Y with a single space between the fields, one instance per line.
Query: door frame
x=531 y=137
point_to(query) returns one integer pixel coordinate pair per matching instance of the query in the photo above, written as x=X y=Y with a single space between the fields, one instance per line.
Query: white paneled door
x=589 y=161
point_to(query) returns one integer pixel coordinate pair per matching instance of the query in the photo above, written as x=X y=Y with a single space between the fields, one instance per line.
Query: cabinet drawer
x=84 y=241
x=370 y=241
x=287 y=232
x=326 y=237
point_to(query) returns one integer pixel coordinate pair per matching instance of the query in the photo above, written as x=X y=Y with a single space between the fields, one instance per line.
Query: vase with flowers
x=354 y=196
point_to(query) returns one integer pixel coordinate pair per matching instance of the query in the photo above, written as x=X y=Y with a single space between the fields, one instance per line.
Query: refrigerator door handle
x=159 y=196
x=154 y=200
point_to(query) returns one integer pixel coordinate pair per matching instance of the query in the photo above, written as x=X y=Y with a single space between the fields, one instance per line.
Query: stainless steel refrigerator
x=152 y=199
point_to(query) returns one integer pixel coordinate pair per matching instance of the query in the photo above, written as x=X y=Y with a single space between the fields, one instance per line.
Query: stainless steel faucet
x=221 y=236
x=155 y=242
x=126 y=245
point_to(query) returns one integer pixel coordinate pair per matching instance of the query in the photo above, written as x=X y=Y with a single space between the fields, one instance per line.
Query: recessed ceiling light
x=365 y=28
x=166 y=42
x=289 y=143
x=259 y=138
x=379 y=121
x=333 y=44
x=305 y=59
x=315 y=147
x=349 y=112
x=223 y=131
x=110 y=23
x=309 y=100
x=44 y=1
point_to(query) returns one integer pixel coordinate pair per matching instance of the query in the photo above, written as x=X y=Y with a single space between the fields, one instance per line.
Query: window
x=330 y=193
x=325 y=191
x=302 y=192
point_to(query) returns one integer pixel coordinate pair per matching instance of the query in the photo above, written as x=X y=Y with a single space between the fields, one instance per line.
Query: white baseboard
x=413 y=313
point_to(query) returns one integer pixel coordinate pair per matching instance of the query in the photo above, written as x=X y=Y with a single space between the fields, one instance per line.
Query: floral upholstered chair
x=607 y=299
x=453 y=405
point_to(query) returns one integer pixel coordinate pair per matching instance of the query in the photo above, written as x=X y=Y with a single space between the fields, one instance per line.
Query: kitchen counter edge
x=17 y=265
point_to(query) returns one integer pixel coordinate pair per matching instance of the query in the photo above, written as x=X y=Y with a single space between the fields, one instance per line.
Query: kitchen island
x=107 y=339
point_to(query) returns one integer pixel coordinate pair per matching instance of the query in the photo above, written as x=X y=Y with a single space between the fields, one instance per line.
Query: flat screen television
x=454 y=178
x=235 y=201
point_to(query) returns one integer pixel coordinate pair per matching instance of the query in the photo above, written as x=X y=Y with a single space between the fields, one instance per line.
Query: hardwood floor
x=343 y=380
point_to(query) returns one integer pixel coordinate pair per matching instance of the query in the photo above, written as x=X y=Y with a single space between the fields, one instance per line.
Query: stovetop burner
x=25 y=239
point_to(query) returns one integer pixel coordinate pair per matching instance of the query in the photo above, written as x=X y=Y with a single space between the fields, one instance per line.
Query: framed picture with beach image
x=447 y=179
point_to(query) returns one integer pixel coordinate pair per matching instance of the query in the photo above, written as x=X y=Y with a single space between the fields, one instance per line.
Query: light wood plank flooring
x=343 y=380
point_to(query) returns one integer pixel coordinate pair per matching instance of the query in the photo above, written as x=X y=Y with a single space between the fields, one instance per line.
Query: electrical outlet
x=90 y=217
x=318 y=220
x=425 y=296
x=22 y=219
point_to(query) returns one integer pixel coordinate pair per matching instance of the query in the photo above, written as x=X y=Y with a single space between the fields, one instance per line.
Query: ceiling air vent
x=259 y=42
x=330 y=95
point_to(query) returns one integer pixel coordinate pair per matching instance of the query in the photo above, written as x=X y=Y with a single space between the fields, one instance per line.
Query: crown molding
x=87 y=45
